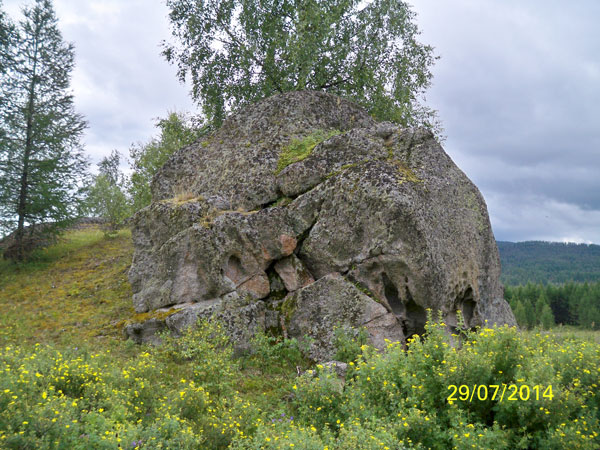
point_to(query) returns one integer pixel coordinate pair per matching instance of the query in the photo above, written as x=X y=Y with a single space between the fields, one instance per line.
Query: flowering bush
x=193 y=393
x=406 y=391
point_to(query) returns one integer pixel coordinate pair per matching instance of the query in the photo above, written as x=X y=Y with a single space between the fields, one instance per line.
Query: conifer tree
x=41 y=160
x=6 y=37
x=529 y=313
x=540 y=305
x=521 y=314
x=546 y=317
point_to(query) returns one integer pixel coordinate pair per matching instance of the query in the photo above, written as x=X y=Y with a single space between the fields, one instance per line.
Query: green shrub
x=275 y=354
x=208 y=350
x=281 y=434
x=192 y=393
x=319 y=399
x=407 y=390
x=348 y=343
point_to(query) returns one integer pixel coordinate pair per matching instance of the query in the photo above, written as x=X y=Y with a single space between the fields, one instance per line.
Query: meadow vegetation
x=73 y=292
x=68 y=380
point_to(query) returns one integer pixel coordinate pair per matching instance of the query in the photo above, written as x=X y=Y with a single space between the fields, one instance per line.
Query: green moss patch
x=406 y=172
x=365 y=290
x=341 y=169
x=300 y=149
x=288 y=307
x=282 y=201
x=143 y=317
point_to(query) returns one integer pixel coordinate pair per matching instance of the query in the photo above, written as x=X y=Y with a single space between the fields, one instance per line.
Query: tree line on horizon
x=235 y=53
x=547 y=305
x=552 y=283
x=548 y=262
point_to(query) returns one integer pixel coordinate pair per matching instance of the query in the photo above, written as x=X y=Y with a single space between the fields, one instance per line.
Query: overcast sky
x=517 y=87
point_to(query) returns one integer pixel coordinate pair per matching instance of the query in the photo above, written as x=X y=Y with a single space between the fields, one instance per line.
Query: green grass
x=563 y=333
x=74 y=291
x=67 y=306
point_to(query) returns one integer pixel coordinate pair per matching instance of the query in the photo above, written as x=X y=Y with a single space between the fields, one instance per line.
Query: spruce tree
x=521 y=314
x=6 y=37
x=42 y=163
x=546 y=317
x=529 y=313
x=541 y=301
x=588 y=311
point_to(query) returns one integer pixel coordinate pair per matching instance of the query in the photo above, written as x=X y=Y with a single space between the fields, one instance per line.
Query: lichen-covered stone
x=382 y=207
x=293 y=273
x=145 y=332
x=317 y=309
x=239 y=161
x=242 y=319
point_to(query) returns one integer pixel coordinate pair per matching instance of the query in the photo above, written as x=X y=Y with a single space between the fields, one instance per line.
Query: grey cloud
x=577 y=185
x=540 y=218
x=517 y=88
x=518 y=91
x=121 y=83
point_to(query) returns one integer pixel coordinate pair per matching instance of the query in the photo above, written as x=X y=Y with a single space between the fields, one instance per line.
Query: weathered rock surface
x=145 y=332
x=293 y=274
x=332 y=301
x=373 y=227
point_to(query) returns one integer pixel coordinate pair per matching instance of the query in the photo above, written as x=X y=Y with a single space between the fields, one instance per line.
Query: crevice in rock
x=282 y=200
x=466 y=304
x=269 y=204
x=174 y=305
x=355 y=262
x=300 y=241
x=276 y=285
x=374 y=318
x=391 y=295
x=324 y=179
x=361 y=287
x=415 y=317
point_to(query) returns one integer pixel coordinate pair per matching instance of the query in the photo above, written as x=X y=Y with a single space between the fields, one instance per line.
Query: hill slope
x=72 y=292
x=548 y=262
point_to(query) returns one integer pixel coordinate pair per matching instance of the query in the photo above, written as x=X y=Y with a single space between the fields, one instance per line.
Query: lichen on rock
x=267 y=244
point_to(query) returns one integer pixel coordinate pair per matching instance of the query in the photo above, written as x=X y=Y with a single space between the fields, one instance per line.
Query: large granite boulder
x=304 y=210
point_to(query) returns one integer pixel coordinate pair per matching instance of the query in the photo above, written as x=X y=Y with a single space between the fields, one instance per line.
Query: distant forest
x=548 y=262
x=549 y=283
x=546 y=305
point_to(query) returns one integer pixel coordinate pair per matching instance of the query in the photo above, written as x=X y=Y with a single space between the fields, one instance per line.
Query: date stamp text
x=499 y=392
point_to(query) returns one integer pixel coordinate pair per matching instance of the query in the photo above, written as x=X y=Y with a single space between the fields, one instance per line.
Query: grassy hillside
x=68 y=379
x=548 y=262
x=76 y=291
